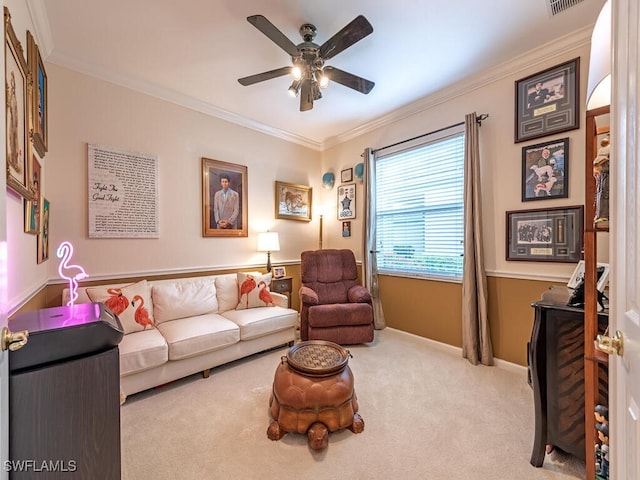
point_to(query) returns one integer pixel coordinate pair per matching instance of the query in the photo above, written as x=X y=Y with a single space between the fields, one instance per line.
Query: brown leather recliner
x=334 y=307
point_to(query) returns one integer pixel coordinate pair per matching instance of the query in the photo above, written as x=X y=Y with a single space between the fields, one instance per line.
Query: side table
x=283 y=285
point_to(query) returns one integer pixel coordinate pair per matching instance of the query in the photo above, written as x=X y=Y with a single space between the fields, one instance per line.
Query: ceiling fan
x=308 y=70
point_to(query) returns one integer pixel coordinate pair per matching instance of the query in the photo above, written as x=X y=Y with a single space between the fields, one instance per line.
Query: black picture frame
x=554 y=108
x=545 y=234
x=545 y=170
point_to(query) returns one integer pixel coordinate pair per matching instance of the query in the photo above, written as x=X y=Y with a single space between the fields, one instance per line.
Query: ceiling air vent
x=558 y=6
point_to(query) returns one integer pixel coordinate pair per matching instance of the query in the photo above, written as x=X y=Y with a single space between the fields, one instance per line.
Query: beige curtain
x=476 y=338
x=369 y=267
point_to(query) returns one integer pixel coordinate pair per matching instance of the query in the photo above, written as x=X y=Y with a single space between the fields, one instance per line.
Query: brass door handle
x=13 y=341
x=611 y=345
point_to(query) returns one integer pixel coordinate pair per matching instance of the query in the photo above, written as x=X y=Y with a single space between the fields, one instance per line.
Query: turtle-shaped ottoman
x=313 y=394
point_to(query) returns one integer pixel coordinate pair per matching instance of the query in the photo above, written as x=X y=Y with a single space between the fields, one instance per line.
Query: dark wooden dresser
x=556 y=374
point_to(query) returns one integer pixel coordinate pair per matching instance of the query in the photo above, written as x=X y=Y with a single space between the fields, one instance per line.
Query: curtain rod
x=479 y=119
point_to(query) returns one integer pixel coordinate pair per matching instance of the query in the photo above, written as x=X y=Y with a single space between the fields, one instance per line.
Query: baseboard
x=503 y=364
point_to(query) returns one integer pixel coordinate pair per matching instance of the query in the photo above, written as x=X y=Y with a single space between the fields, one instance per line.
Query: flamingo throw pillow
x=253 y=291
x=131 y=303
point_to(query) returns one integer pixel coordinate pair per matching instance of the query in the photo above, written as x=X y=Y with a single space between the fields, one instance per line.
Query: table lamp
x=268 y=242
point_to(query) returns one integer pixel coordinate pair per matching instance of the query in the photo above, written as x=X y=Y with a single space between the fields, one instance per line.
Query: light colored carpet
x=428 y=414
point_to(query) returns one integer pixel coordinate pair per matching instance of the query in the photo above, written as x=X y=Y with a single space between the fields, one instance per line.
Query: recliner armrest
x=308 y=296
x=359 y=294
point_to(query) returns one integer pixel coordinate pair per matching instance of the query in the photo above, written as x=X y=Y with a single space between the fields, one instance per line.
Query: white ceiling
x=193 y=51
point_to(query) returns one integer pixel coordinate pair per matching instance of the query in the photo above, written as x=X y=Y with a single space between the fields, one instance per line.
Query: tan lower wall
x=426 y=308
x=434 y=310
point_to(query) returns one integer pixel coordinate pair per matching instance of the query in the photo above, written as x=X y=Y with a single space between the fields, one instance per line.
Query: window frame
x=457 y=131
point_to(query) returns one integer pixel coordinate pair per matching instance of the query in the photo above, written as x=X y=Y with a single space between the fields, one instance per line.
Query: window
x=420 y=209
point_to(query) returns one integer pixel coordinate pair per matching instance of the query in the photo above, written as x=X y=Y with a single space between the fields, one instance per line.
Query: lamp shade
x=268 y=242
x=599 y=84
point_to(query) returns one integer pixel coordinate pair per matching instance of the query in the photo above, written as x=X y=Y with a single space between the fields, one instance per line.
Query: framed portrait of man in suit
x=224 y=199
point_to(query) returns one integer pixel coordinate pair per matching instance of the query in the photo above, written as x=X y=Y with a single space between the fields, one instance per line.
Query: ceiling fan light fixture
x=296 y=72
x=323 y=80
x=294 y=89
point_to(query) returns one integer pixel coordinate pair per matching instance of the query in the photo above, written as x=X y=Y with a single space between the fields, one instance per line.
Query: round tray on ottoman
x=313 y=393
x=316 y=358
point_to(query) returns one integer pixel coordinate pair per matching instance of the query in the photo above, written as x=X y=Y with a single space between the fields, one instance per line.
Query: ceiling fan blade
x=276 y=36
x=261 y=77
x=350 y=80
x=306 y=96
x=352 y=33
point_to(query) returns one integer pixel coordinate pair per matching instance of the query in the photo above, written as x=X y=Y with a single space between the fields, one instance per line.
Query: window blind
x=420 y=209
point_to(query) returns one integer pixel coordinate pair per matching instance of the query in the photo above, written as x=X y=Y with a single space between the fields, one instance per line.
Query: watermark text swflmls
x=31 y=465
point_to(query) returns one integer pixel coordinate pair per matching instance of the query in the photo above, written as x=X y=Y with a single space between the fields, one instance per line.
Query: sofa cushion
x=257 y=322
x=141 y=351
x=253 y=290
x=131 y=303
x=188 y=337
x=227 y=291
x=184 y=298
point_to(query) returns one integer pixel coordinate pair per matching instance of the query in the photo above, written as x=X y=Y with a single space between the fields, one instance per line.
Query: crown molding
x=540 y=56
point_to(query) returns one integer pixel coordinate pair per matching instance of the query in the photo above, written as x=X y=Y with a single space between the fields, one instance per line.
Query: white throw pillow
x=253 y=291
x=227 y=291
x=131 y=303
x=184 y=298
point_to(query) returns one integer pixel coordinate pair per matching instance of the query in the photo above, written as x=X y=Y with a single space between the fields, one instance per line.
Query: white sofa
x=197 y=323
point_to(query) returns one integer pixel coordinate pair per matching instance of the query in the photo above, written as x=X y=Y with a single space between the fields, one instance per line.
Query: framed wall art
x=32 y=207
x=602 y=273
x=346 y=229
x=38 y=97
x=548 y=102
x=43 y=235
x=17 y=148
x=293 y=202
x=347 y=201
x=545 y=170
x=346 y=175
x=545 y=234
x=224 y=199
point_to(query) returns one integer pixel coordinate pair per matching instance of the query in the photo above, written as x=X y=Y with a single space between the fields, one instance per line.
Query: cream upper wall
x=501 y=163
x=84 y=110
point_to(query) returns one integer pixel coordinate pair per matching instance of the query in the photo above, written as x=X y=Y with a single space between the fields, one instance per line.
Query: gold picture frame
x=43 y=234
x=293 y=202
x=16 y=89
x=38 y=124
x=32 y=207
x=224 y=217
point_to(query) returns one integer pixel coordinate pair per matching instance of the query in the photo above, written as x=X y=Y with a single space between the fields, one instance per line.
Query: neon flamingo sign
x=71 y=273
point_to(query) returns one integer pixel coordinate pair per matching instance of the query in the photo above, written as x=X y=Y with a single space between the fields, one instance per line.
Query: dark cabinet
x=557 y=375
x=64 y=395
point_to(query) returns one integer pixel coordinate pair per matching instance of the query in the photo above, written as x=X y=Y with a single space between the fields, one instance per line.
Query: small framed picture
x=545 y=170
x=346 y=229
x=602 y=275
x=548 y=102
x=38 y=97
x=346 y=175
x=279 y=272
x=347 y=201
x=293 y=202
x=43 y=235
x=32 y=207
